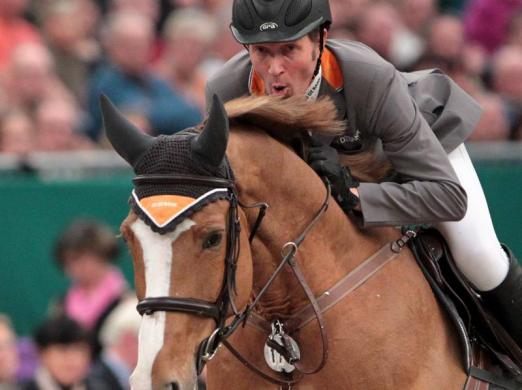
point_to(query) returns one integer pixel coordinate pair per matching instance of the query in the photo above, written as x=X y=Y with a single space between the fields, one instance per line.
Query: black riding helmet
x=262 y=21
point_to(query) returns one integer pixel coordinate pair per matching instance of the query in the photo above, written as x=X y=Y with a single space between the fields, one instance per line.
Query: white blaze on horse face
x=157 y=259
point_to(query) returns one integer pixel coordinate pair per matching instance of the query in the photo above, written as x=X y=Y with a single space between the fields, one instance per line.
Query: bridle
x=219 y=309
x=224 y=306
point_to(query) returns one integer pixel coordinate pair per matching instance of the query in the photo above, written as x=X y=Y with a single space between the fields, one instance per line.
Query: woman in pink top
x=86 y=251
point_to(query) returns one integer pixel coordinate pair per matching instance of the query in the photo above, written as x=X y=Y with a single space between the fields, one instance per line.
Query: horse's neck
x=268 y=171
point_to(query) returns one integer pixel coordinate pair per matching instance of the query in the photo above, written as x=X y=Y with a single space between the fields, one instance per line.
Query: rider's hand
x=324 y=160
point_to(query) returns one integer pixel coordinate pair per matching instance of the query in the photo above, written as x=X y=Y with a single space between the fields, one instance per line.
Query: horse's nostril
x=174 y=386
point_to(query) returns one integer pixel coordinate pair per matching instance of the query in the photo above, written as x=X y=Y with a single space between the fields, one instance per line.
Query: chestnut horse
x=196 y=271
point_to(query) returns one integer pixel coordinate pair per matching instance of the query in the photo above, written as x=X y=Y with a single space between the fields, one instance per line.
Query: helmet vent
x=241 y=15
x=268 y=10
x=297 y=11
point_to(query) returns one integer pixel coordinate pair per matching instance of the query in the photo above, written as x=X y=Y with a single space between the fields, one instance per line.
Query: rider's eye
x=212 y=240
x=260 y=50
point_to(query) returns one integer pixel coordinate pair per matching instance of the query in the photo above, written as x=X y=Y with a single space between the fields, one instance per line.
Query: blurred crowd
x=89 y=338
x=152 y=58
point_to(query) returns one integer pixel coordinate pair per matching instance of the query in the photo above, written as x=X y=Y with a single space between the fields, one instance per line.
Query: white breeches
x=472 y=240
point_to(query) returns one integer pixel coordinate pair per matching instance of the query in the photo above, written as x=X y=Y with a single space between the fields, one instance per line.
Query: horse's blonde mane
x=285 y=119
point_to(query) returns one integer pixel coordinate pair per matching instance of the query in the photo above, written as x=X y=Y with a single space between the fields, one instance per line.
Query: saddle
x=490 y=356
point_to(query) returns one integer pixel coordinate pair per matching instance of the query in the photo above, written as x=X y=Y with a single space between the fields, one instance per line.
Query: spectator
x=346 y=14
x=486 y=21
x=9 y=360
x=31 y=78
x=416 y=14
x=514 y=36
x=85 y=251
x=14 y=29
x=224 y=46
x=149 y=9
x=56 y=127
x=493 y=124
x=506 y=77
x=128 y=82
x=377 y=27
x=74 y=52
x=409 y=40
x=185 y=49
x=507 y=73
x=446 y=38
x=16 y=133
x=119 y=338
x=64 y=354
x=447 y=50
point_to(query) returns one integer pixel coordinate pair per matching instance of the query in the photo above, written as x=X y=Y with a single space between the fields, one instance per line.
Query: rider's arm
x=431 y=191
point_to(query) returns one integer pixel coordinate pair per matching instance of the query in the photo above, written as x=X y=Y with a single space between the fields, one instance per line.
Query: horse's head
x=190 y=257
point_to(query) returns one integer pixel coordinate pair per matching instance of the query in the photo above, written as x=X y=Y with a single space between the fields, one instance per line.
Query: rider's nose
x=276 y=67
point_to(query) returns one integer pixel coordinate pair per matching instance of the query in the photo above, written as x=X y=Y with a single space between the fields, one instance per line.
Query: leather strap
x=343 y=287
x=317 y=313
x=300 y=369
x=317 y=306
x=183 y=305
x=475 y=381
x=184 y=179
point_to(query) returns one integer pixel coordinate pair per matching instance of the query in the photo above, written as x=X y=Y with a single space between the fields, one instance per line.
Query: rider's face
x=286 y=68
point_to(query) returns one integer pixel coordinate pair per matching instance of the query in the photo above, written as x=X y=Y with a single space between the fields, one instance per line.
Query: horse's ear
x=128 y=141
x=211 y=144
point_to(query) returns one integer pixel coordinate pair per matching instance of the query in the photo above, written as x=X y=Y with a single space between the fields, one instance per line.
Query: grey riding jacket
x=418 y=118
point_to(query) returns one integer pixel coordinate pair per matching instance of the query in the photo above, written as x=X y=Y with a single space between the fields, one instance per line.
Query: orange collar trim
x=331 y=72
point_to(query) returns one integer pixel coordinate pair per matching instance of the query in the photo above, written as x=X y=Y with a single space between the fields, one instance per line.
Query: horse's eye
x=212 y=240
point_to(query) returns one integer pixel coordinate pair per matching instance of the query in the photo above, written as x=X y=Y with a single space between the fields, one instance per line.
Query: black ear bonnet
x=173 y=155
x=160 y=198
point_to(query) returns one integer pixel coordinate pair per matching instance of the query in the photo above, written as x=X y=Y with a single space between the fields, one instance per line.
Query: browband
x=183 y=179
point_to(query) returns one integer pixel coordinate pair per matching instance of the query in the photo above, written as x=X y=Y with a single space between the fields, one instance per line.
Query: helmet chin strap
x=313 y=89
x=321 y=46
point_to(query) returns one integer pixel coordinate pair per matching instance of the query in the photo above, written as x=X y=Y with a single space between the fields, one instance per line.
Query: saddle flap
x=472 y=320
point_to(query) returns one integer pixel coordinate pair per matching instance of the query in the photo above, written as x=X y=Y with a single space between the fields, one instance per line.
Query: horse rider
x=418 y=120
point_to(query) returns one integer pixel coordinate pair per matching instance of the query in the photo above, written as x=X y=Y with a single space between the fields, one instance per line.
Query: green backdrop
x=34 y=211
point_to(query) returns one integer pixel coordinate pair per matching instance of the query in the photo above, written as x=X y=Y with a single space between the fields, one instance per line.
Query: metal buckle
x=208 y=353
x=401 y=242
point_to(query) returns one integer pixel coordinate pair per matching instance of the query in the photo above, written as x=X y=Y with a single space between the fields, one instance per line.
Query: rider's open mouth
x=278 y=89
